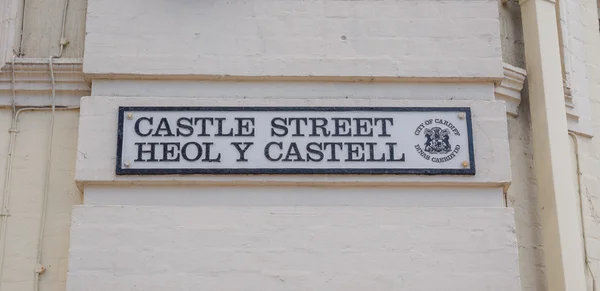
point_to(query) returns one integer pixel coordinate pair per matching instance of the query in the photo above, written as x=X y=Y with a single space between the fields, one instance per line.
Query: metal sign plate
x=295 y=140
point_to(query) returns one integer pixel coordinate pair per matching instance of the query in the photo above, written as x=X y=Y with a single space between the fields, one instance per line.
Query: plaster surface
x=292 y=248
x=380 y=39
x=25 y=201
x=294 y=196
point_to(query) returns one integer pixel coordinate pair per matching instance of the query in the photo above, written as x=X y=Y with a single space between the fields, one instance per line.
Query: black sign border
x=289 y=171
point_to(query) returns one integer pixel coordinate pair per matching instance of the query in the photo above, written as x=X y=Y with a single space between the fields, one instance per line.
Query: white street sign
x=295 y=140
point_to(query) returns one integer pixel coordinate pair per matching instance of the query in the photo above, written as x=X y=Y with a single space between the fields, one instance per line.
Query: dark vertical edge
x=471 y=144
x=121 y=113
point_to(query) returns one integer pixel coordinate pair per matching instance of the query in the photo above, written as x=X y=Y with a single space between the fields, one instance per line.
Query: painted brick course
x=292 y=248
x=391 y=38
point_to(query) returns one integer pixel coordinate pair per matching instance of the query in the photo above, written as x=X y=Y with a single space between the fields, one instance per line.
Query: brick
x=292 y=248
x=295 y=38
x=27 y=184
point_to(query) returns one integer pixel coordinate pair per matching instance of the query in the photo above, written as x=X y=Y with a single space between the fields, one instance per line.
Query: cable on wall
x=5 y=206
x=4 y=203
x=39 y=267
x=19 y=51
x=581 y=215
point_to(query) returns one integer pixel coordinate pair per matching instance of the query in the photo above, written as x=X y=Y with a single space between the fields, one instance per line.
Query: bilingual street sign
x=295 y=140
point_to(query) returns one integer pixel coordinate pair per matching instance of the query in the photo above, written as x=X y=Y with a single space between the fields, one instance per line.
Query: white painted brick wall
x=230 y=195
x=289 y=90
x=589 y=149
x=389 y=38
x=26 y=195
x=292 y=248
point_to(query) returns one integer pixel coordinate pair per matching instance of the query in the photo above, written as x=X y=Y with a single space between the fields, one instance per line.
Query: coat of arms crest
x=438 y=140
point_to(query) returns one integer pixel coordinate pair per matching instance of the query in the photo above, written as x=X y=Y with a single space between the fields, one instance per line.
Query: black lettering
x=207 y=158
x=244 y=126
x=419 y=129
x=141 y=151
x=293 y=151
x=220 y=127
x=242 y=151
x=203 y=121
x=188 y=127
x=448 y=124
x=137 y=126
x=392 y=158
x=422 y=153
x=185 y=155
x=310 y=148
x=169 y=154
x=321 y=126
x=281 y=126
x=456 y=149
x=372 y=153
x=297 y=120
x=332 y=145
x=268 y=148
x=444 y=159
x=343 y=126
x=163 y=125
x=384 y=125
x=353 y=151
x=361 y=128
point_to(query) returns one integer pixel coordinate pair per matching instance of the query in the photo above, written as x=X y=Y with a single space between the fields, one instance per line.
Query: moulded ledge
x=32 y=85
x=509 y=90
